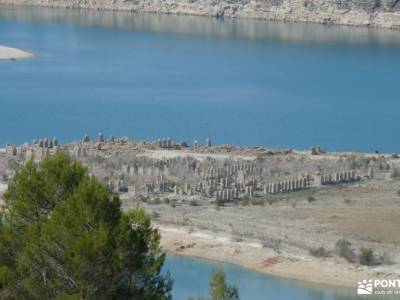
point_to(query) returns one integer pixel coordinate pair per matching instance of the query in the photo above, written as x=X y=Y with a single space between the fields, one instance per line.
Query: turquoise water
x=191 y=278
x=241 y=82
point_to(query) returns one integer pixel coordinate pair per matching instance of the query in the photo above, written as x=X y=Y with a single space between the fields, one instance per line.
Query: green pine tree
x=63 y=236
x=219 y=289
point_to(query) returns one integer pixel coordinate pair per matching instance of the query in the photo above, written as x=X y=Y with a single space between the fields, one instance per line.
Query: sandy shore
x=8 y=53
x=251 y=255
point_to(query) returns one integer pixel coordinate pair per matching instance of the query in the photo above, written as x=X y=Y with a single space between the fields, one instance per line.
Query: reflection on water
x=207 y=26
x=191 y=278
x=241 y=82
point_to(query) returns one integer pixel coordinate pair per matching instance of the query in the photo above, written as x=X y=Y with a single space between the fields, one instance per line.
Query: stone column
x=208 y=142
x=86 y=138
x=100 y=138
x=370 y=172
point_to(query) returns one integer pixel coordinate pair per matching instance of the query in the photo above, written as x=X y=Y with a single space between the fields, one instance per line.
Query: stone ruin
x=186 y=177
x=165 y=143
x=306 y=182
x=227 y=194
x=100 y=138
x=208 y=143
x=126 y=167
x=11 y=150
x=287 y=185
x=86 y=139
x=316 y=150
x=38 y=150
x=339 y=177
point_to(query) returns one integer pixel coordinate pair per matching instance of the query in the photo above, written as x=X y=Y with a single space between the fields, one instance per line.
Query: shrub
x=257 y=201
x=12 y=164
x=272 y=200
x=156 y=201
x=123 y=189
x=245 y=201
x=396 y=174
x=359 y=162
x=347 y=201
x=193 y=203
x=366 y=257
x=385 y=258
x=142 y=198
x=272 y=243
x=343 y=249
x=311 y=199
x=319 y=252
x=155 y=215
x=219 y=202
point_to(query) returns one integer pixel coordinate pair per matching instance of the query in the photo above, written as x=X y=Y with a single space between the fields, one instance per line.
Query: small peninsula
x=8 y=53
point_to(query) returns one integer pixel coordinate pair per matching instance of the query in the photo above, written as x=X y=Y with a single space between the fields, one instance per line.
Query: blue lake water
x=241 y=82
x=192 y=276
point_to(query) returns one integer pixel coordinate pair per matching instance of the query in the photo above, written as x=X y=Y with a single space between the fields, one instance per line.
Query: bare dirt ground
x=276 y=238
x=291 y=233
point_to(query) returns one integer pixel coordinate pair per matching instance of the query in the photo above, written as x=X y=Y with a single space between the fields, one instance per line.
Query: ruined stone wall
x=379 y=13
x=166 y=168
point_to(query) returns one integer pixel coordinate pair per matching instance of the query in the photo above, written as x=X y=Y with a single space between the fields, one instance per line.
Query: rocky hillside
x=376 y=13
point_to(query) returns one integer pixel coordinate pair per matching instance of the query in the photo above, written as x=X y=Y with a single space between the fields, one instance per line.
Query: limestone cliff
x=377 y=13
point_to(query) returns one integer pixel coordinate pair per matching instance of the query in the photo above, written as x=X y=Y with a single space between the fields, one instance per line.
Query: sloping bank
x=252 y=256
x=375 y=13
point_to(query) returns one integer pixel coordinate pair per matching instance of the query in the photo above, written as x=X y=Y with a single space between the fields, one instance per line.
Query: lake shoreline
x=8 y=53
x=272 y=233
x=320 y=12
x=262 y=260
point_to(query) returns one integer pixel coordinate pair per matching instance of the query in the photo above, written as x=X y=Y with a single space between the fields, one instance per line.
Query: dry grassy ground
x=276 y=235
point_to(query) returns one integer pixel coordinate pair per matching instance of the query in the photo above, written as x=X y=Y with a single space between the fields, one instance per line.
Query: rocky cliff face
x=377 y=13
